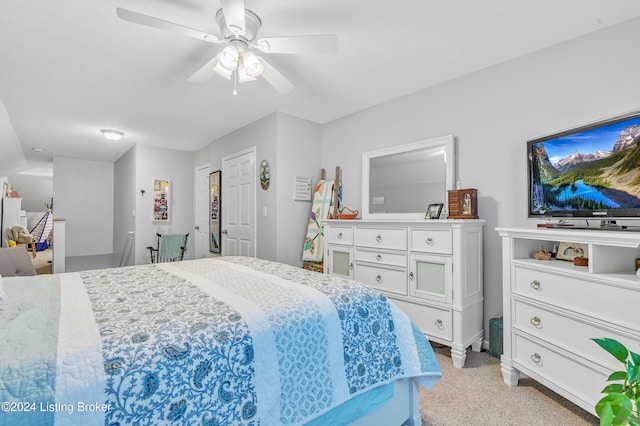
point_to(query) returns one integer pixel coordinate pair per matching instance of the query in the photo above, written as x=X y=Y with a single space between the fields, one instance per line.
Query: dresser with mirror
x=430 y=268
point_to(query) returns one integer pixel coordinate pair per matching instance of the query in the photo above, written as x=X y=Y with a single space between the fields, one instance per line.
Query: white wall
x=177 y=167
x=35 y=191
x=291 y=146
x=262 y=135
x=298 y=155
x=83 y=196
x=493 y=113
x=125 y=194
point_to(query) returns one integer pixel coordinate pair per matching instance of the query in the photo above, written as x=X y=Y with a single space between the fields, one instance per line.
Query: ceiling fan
x=239 y=29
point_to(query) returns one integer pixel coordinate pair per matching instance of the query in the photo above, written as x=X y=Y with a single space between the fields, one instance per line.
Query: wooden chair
x=169 y=248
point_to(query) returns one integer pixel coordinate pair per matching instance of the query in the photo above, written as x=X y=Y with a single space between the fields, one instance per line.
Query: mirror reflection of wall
x=402 y=181
x=407 y=182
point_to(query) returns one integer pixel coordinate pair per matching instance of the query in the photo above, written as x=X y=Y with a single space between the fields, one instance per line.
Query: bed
x=219 y=341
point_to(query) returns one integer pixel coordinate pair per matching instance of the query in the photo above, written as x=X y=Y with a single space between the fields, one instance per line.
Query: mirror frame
x=444 y=141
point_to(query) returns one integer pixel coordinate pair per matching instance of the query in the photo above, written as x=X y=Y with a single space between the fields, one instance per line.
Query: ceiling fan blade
x=274 y=78
x=205 y=73
x=233 y=11
x=150 y=21
x=325 y=44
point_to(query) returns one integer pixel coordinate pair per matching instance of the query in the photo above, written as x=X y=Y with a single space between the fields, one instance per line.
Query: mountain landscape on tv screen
x=606 y=176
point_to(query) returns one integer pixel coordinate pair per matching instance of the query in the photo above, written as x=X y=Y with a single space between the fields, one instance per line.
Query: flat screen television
x=592 y=171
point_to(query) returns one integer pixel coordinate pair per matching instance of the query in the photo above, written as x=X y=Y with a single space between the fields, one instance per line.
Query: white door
x=239 y=204
x=201 y=214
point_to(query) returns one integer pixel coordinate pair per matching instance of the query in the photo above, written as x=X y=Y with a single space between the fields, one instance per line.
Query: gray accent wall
x=493 y=113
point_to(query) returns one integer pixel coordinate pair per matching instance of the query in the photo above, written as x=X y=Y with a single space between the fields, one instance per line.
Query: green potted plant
x=621 y=403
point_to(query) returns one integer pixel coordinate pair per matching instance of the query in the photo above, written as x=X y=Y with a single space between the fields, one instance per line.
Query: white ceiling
x=69 y=68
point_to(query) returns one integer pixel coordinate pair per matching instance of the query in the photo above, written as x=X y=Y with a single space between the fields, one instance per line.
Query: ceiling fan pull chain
x=235 y=82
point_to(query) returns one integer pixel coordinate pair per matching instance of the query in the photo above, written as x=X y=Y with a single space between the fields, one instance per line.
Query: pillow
x=15 y=262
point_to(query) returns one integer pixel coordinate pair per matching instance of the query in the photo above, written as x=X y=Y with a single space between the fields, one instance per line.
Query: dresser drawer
x=383 y=258
x=432 y=321
x=387 y=238
x=577 y=379
x=579 y=293
x=431 y=240
x=573 y=334
x=340 y=235
x=391 y=280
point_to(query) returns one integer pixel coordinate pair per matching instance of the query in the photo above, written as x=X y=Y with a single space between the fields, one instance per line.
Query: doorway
x=239 y=203
x=201 y=218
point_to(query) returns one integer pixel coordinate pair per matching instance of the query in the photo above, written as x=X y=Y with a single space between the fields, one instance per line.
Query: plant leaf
x=617 y=375
x=634 y=372
x=613 y=388
x=614 y=347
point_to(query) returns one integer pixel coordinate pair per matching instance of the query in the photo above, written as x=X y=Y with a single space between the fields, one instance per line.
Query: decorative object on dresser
x=347 y=214
x=542 y=255
x=621 y=405
x=432 y=270
x=463 y=204
x=569 y=251
x=553 y=308
x=433 y=212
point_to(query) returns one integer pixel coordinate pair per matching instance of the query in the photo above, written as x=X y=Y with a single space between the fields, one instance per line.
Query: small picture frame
x=433 y=211
x=569 y=251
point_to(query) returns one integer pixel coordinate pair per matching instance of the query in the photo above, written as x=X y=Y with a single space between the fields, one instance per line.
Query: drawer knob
x=379 y=257
x=536 y=358
x=379 y=238
x=379 y=279
x=536 y=322
x=439 y=324
x=430 y=241
x=535 y=284
x=351 y=265
x=340 y=236
x=411 y=275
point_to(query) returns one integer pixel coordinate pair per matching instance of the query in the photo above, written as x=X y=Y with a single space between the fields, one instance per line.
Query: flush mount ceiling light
x=112 y=135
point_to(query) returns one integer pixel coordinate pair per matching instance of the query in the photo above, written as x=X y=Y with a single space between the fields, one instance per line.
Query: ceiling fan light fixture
x=253 y=66
x=242 y=73
x=222 y=71
x=112 y=135
x=228 y=58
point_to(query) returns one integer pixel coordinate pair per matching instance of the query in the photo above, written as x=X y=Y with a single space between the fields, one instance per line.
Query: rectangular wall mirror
x=214 y=214
x=400 y=182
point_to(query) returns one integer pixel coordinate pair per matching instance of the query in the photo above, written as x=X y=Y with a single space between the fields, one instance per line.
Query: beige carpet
x=42 y=261
x=476 y=395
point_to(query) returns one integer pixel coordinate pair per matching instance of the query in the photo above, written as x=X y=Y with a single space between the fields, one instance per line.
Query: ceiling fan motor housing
x=252 y=26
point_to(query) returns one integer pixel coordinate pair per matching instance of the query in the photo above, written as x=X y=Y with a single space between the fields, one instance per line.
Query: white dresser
x=431 y=269
x=553 y=308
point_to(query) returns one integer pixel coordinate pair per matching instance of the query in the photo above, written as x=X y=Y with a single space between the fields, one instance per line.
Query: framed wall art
x=161 y=200
x=215 y=243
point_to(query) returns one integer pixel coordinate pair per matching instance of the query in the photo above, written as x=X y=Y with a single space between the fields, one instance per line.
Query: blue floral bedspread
x=223 y=341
